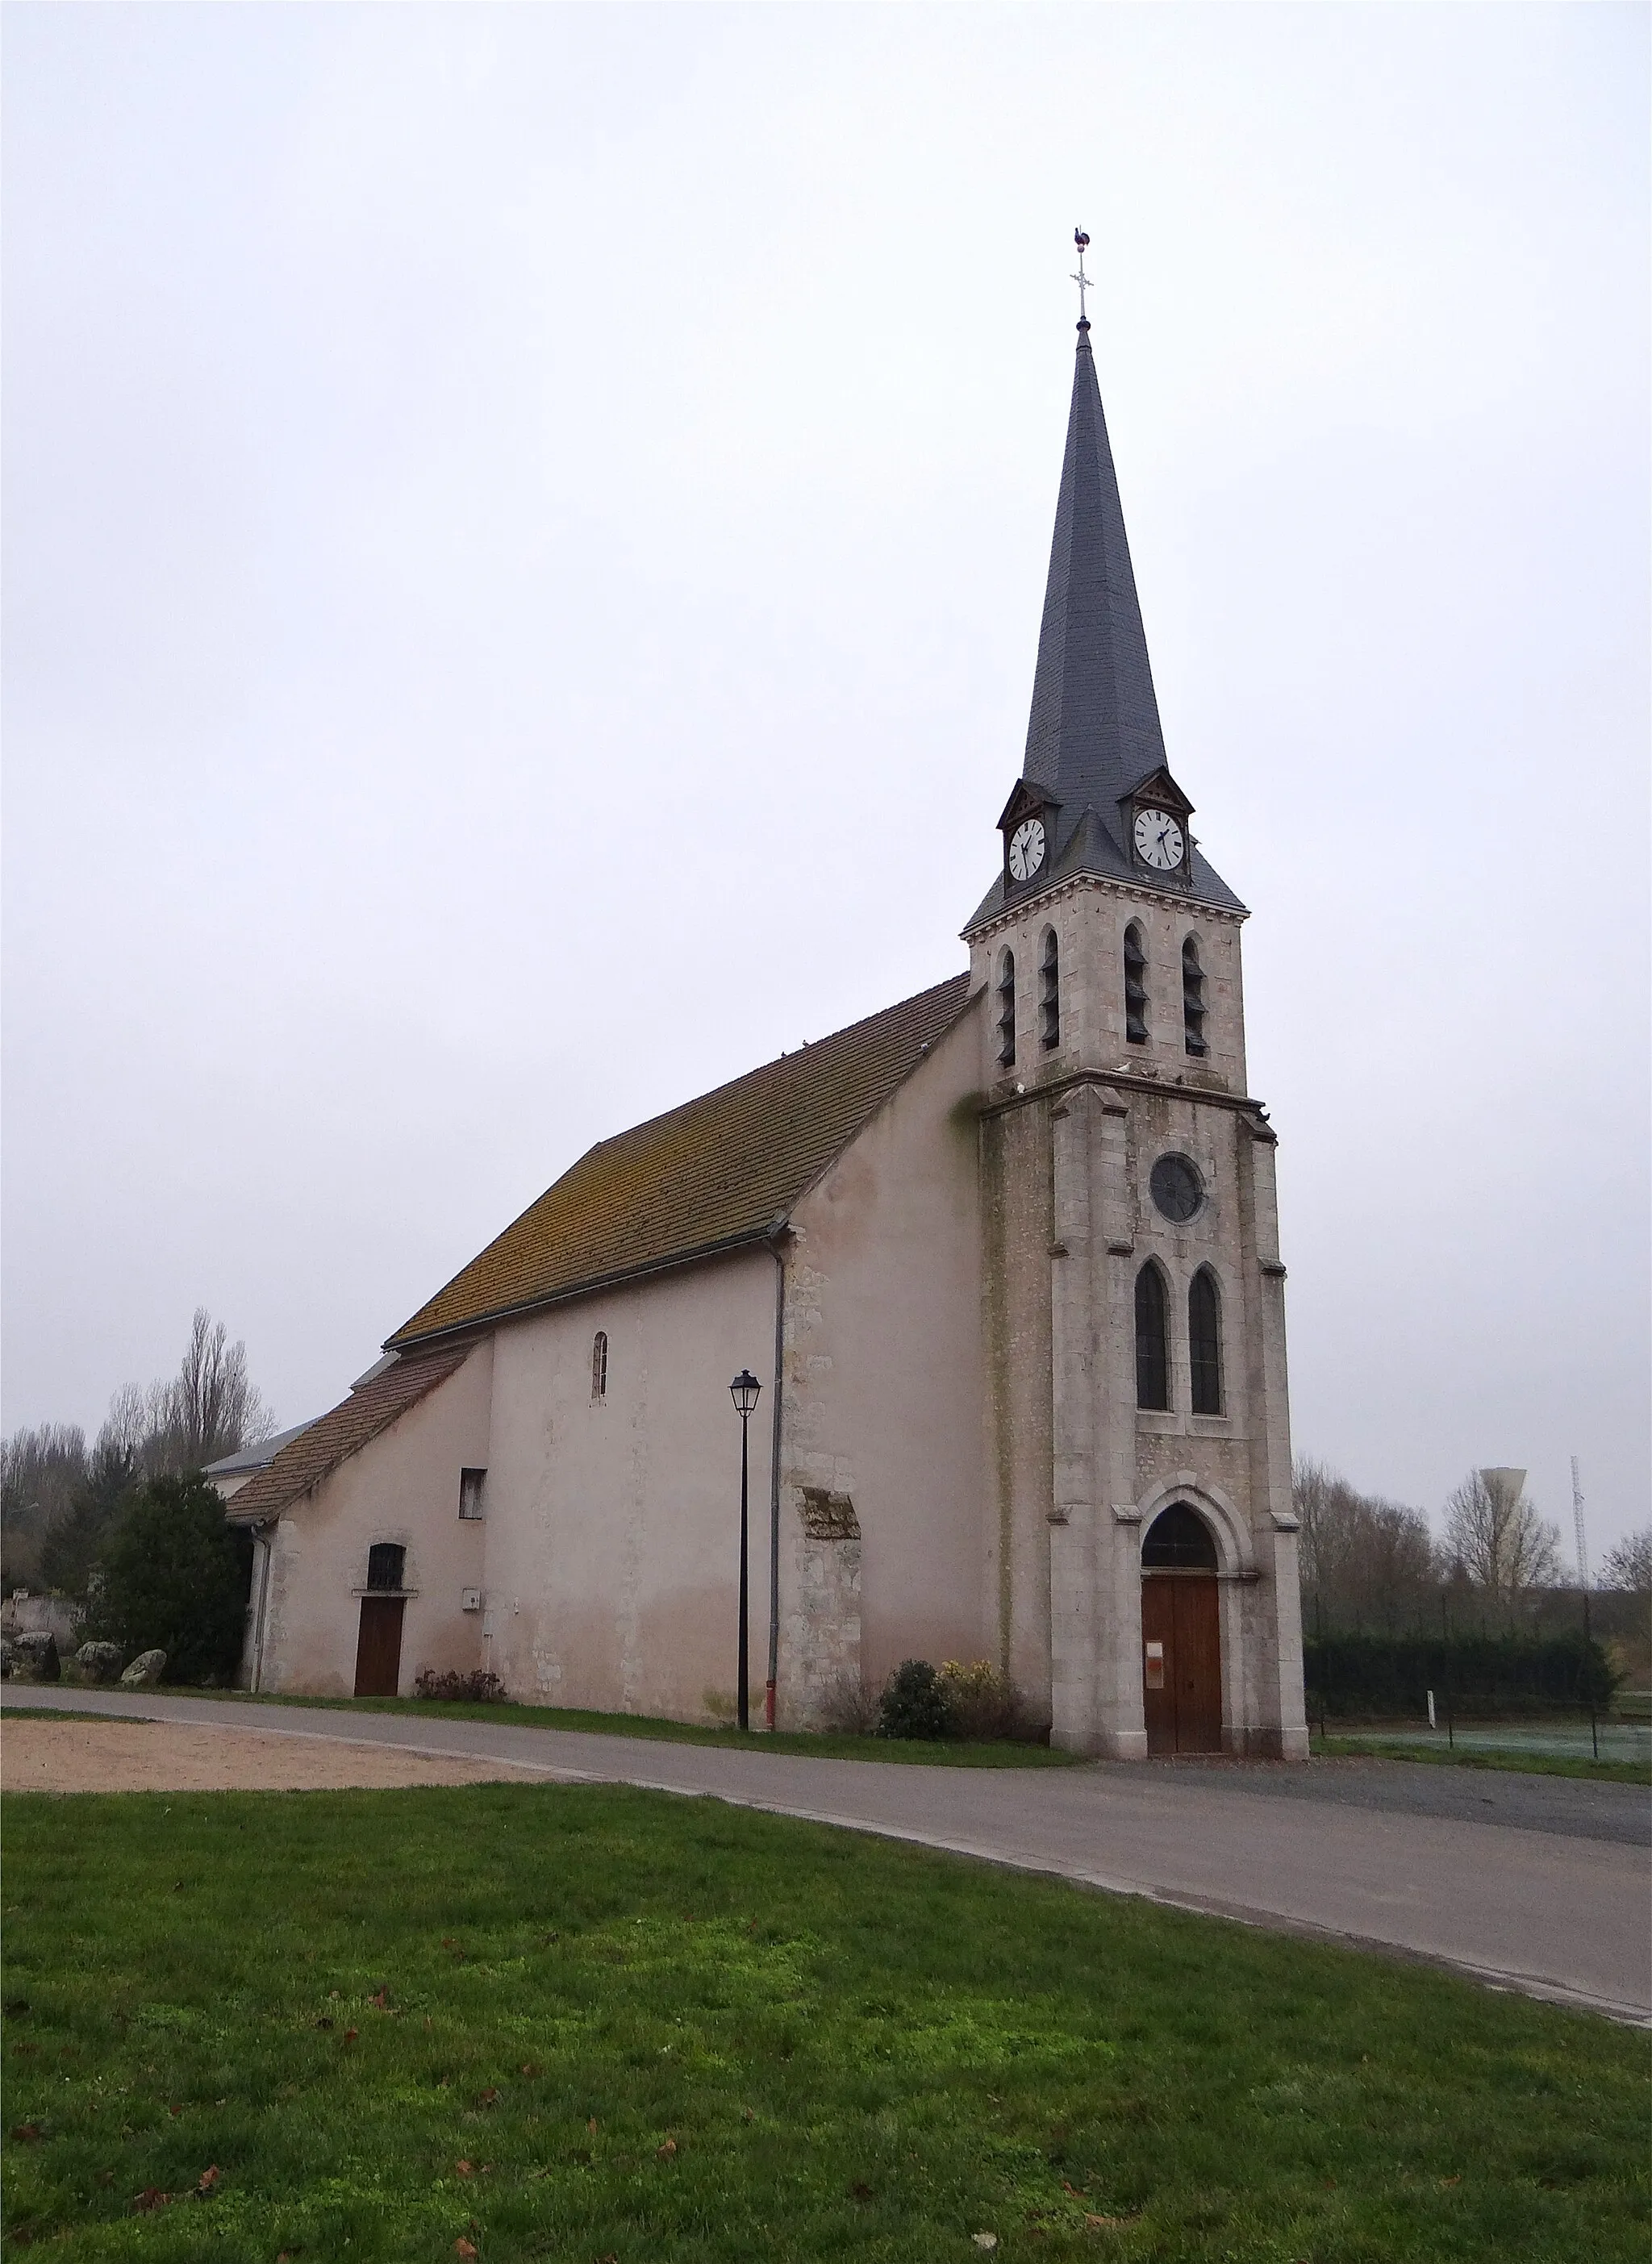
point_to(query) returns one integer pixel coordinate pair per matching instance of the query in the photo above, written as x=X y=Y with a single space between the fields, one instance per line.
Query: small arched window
x=1050 y=992
x=1007 y=1011
x=1192 y=996
x=1135 y=986
x=1153 y=1341
x=600 y=1365
x=385 y=1560
x=1204 y=1342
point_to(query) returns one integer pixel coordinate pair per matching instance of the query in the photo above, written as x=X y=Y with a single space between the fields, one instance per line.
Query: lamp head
x=744 y=1391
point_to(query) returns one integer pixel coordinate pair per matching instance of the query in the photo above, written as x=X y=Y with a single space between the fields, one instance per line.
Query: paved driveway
x=1555 y=1904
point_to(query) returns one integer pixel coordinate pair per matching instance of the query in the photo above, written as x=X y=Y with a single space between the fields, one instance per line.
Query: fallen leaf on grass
x=984 y=2239
x=462 y=2247
x=488 y=2097
x=151 y=2197
x=592 y=2126
x=531 y=2067
x=1457 y=2181
x=666 y=2152
x=26 y=2133
x=350 y=2035
x=381 y=1998
x=464 y=2170
x=208 y=2178
x=1077 y=2192
x=174 y=2110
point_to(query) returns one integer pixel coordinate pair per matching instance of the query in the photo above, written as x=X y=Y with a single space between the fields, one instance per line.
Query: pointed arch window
x=599 y=1366
x=1192 y=996
x=1153 y=1341
x=1204 y=1342
x=1007 y=1011
x=1050 y=992
x=1135 y=986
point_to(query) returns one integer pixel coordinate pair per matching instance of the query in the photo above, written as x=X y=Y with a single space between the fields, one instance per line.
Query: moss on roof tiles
x=718 y=1172
x=315 y=1454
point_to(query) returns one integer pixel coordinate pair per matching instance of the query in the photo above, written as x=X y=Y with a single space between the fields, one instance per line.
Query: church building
x=1003 y=1260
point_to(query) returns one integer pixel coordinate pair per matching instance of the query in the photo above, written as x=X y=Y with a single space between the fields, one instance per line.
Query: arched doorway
x=1181 y=1635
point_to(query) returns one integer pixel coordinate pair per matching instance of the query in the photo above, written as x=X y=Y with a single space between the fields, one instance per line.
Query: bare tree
x=40 y=1471
x=213 y=1404
x=1496 y=1537
x=1366 y=1562
x=1629 y=1564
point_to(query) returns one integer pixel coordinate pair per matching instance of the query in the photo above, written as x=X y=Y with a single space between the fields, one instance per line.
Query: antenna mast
x=1577 y=1521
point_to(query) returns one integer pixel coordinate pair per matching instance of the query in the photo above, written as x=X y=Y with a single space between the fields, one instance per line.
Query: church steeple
x=1096 y=794
x=1093 y=730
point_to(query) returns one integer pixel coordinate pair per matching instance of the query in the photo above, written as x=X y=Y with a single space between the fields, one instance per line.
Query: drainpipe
x=774 y=1480
x=265 y=1536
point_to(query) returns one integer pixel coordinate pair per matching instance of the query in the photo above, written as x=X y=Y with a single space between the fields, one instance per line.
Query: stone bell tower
x=1144 y=1543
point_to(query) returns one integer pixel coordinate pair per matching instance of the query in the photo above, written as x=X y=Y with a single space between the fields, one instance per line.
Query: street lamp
x=743 y=1391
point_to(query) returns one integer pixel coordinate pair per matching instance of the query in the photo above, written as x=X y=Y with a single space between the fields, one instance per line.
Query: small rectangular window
x=471 y=1486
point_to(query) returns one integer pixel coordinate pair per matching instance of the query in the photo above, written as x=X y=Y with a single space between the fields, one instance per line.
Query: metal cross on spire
x=1081 y=279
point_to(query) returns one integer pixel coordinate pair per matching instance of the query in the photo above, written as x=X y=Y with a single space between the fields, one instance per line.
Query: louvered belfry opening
x=1050 y=993
x=1007 y=1011
x=1192 y=996
x=1135 y=986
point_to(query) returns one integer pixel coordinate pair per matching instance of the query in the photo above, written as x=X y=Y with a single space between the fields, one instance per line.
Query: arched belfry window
x=1152 y=1339
x=1192 y=996
x=1007 y=1011
x=1050 y=992
x=1204 y=1342
x=1178 y=1540
x=600 y=1365
x=1135 y=986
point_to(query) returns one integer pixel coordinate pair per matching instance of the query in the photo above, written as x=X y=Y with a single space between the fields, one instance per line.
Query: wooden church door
x=1181 y=1636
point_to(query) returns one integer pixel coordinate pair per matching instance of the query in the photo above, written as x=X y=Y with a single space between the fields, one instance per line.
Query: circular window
x=1178 y=1188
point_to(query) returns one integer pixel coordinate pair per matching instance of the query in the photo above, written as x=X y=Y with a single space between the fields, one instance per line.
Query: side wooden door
x=379 y=1646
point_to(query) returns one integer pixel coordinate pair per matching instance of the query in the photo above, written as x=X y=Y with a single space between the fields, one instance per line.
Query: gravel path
x=1405 y=1864
x=41 y=1755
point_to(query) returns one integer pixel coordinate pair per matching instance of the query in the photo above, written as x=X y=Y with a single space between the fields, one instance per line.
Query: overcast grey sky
x=524 y=536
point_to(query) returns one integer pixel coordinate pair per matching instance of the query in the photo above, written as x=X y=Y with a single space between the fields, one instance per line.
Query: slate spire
x=1093 y=730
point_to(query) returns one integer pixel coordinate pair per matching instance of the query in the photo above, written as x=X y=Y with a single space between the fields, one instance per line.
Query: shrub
x=849 y=1710
x=174 y=1576
x=479 y=1688
x=914 y=1703
x=982 y=1701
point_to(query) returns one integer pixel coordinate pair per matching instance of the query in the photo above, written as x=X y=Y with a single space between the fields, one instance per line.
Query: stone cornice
x=1010 y=915
x=1101 y=1081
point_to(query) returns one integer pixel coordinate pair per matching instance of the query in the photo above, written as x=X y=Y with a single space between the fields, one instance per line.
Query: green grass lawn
x=946 y=1752
x=1381 y=1746
x=599 y=2023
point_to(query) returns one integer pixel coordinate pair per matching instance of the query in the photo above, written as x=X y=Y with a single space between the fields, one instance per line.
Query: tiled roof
x=717 y=1172
x=323 y=1445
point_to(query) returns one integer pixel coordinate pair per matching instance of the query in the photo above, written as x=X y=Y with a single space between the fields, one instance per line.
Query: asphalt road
x=1533 y=1883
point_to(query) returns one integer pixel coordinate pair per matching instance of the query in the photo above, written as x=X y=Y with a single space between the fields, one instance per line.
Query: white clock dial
x=1159 y=839
x=1026 y=849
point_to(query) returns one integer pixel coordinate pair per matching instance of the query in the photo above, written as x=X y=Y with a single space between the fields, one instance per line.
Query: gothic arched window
x=1153 y=1341
x=1135 y=986
x=1007 y=1011
x=1050 y=992
x=600 y=1365
x=1204 y=1342
x=1192 y=996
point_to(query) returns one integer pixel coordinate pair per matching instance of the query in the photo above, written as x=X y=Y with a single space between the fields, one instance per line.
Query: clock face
x=1178 y=1189
x=1160 y=841
x=1026 y=849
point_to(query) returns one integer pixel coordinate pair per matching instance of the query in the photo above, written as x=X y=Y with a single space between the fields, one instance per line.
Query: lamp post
x=744 y=1392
